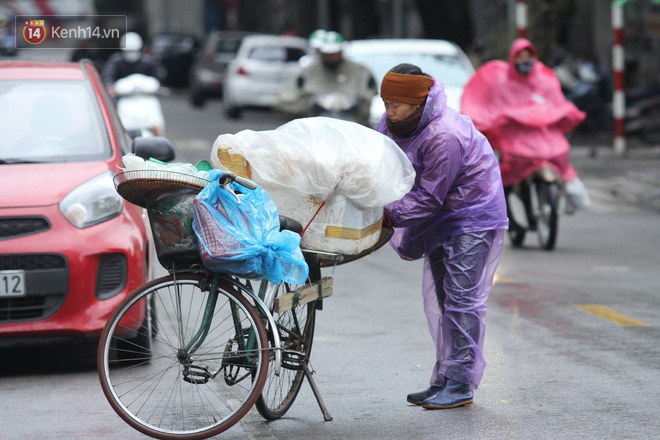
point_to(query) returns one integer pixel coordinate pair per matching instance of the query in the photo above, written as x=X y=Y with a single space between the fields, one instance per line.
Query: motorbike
x=534 y=205
x=590 y=90
x=585 y=86
x=336 y=105
x=138 y=104
x=643 y=112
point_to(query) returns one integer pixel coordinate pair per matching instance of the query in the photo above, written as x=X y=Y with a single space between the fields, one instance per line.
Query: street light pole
x=397 y=18
x=322 y=14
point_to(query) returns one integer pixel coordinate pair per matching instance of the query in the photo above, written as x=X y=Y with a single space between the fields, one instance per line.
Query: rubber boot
x=419 y=397
x=452 y=395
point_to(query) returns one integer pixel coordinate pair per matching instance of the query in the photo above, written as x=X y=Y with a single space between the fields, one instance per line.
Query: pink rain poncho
x=455 y=216
x=524 y=117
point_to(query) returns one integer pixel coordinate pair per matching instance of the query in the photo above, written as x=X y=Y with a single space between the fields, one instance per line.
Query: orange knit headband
x=409 y=89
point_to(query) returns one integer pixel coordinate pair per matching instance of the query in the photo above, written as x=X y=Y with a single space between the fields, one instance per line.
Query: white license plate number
x=12 y=283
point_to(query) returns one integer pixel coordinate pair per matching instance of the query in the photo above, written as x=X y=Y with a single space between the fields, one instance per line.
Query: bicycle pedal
x=293 y=360
x=196 y=375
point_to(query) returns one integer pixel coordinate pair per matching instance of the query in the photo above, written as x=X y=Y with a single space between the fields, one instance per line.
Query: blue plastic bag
x=245 y=240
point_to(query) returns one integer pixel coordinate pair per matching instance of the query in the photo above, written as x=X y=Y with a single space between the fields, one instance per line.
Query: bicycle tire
x=517 y=236
x=296 y=330
x=516 y=231
x=174 y=395
x=548 y=220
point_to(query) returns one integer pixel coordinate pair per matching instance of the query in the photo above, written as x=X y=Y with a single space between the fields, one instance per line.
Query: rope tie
x=296 y=299
x=321 y=206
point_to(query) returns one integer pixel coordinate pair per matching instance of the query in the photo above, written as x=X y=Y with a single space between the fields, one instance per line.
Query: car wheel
x=197 y=98
x=233 y=112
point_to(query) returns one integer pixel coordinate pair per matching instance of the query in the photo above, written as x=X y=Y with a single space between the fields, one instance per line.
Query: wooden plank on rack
x=305 y=294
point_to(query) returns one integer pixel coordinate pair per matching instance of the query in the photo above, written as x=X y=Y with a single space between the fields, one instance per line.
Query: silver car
x=440 y=58
x=208 y=71
x=261 y=67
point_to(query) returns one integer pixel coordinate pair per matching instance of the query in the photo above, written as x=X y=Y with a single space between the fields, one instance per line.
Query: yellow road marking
x=610 y=315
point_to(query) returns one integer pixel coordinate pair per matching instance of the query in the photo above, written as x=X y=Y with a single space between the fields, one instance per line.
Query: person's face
x=398 y=111
x=332 y=59
x=523 y=55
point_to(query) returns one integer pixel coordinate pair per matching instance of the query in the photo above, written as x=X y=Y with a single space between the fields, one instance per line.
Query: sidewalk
x=633 y=178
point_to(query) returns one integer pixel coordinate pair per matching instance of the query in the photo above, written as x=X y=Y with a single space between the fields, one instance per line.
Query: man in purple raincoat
x=455 y=217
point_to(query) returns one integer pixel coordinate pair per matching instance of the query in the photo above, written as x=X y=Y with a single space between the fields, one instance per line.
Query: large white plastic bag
x=318 y=156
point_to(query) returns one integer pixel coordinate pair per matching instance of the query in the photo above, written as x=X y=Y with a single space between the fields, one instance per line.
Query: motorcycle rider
x=128 y=61
x=330 y=73
x=521 y=109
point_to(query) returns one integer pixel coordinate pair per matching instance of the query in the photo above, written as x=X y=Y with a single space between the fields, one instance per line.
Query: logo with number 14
x=34 y=31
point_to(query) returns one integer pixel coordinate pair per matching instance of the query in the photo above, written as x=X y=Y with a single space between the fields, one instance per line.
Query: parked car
x=208 y=70
x=440 y=58
x=175 y=54
x=263 y=64
x=70 y=247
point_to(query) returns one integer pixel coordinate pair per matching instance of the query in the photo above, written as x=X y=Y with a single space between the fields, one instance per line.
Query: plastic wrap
x=321 y=156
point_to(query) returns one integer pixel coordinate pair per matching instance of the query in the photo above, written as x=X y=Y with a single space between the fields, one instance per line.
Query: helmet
x=316 y=38
x=332 y=43
x=131 y=46
x=131 y=41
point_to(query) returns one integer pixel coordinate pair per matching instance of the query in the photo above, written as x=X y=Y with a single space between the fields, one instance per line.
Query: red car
x=70 y=247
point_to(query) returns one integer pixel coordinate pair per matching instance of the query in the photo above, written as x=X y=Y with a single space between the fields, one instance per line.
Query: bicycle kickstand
x=326 y=415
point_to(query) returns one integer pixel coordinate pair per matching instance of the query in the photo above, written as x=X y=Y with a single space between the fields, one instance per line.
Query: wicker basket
x=138 y=185
x=168 y=198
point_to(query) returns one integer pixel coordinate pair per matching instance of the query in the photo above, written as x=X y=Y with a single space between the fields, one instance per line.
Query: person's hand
x=387 y=220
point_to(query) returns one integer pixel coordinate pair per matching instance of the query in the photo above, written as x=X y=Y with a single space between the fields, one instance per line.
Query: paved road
x=555 y=371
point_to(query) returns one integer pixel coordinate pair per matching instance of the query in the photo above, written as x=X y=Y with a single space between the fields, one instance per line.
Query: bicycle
x=186 y=356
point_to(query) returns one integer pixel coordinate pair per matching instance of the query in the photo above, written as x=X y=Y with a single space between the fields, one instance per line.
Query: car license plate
x=12 y=283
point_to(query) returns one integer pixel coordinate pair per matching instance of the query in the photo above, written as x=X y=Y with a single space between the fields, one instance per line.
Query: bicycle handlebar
x=245 y=182
x=240 y=180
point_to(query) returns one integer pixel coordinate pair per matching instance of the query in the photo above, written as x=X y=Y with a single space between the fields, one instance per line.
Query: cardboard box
x=339 y=226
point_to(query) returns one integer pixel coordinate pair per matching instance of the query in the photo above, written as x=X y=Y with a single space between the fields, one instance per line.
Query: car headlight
x=93 y=202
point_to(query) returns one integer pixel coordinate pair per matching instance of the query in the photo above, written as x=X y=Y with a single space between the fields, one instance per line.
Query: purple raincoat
x=455 y=216
x=458 y=188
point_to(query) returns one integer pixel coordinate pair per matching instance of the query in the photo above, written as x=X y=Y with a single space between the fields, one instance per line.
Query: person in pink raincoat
x=521 y=109
x=454 y=217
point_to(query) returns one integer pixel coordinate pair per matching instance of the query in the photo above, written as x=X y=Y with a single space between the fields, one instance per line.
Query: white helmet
x=131 y=41
x=333 y=42
x=131 y=46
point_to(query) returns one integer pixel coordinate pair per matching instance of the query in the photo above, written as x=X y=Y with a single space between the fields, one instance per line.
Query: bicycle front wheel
x=547 y=223
x=296 y=330
x=208 y=362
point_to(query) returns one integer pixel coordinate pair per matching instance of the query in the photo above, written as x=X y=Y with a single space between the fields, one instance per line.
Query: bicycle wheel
x=548 y=217
x=186 y=390
x=517 y=214
x=296 y=330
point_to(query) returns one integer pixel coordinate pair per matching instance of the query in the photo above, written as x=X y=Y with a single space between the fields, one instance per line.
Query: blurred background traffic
x=195 y=43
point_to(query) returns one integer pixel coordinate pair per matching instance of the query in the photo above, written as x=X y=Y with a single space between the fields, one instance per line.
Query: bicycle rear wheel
x=296 y=330
x=186 y=390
